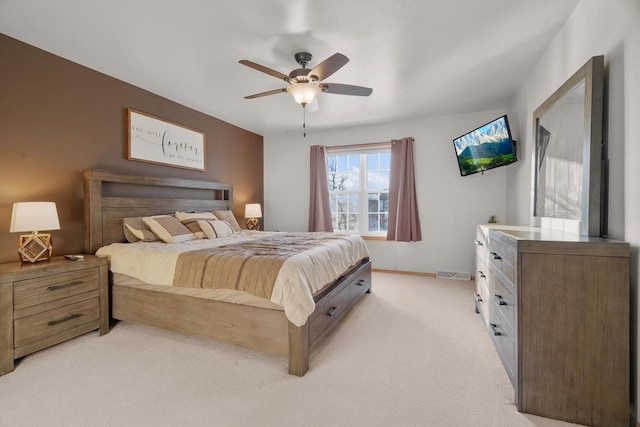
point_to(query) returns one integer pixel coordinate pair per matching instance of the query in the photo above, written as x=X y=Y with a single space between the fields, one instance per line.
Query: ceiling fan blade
x=269 y=92
x=265 y=70
x=341 y=89
x=329 y=66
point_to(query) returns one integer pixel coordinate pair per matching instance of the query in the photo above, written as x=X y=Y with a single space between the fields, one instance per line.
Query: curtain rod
x=359 y=146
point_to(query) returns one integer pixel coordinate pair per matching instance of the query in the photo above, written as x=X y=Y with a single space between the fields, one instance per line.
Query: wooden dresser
x=556 y=306
x=48 y=302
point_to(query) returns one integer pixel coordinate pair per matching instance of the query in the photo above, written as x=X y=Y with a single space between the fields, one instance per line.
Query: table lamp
x=34 y=216
x=252 y=212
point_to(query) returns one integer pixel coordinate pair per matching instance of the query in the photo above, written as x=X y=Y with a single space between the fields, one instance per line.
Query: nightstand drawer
x=44 y=289
x=51 y=322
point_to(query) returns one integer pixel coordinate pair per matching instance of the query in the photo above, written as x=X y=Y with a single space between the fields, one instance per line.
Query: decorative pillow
x=231 y=220
x=191 y=221
x=135 y=230
x=168 y=228
x=215 y=228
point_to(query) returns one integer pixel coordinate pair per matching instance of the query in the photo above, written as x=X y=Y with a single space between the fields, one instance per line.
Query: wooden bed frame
x=109 y=197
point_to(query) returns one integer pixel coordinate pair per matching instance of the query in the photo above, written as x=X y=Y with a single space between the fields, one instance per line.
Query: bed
x=110 y=197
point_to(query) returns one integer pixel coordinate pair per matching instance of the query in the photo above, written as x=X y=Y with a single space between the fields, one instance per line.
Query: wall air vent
x=458 y=275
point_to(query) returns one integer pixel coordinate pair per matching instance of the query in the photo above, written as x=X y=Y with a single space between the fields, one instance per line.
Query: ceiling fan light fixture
x=303 y=93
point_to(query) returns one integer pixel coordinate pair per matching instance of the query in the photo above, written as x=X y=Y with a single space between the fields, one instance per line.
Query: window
x=359 y=190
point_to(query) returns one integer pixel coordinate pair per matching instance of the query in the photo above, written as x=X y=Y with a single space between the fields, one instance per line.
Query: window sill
x=374 y=237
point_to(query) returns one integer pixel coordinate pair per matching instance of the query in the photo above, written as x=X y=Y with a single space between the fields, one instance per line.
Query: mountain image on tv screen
x=486 y=147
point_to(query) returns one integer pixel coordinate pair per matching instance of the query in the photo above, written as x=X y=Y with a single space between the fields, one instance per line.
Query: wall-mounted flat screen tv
x=486 y=147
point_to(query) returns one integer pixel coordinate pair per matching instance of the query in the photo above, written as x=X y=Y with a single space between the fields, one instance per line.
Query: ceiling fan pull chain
x=304 y=120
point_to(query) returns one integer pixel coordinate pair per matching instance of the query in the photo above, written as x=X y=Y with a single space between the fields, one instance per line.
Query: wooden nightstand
x=48 y=302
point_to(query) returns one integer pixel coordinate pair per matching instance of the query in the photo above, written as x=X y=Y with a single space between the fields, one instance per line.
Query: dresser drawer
x=481 y=245
x=327 y=313
x=482 y=297
x=502 y=258
x=503 y=299
x=43 y=325
x=44 y=289
x=504 y=340
x=482 y=272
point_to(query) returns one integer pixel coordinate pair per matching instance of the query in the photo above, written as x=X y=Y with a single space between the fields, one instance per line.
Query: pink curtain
x=404 y=221
x=319 y=207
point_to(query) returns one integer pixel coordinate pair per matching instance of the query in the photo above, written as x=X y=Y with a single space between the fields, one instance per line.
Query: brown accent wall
x=58 y=118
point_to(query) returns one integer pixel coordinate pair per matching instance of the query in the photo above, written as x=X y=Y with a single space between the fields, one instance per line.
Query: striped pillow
x=135 y=230
x=191 y=221
x=168 y=228
x=215 y=228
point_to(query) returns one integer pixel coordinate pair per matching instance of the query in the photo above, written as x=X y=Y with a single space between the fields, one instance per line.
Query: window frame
x=362 y=150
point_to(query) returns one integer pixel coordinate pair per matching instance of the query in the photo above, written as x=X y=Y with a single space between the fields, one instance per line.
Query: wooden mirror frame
x=593 y=218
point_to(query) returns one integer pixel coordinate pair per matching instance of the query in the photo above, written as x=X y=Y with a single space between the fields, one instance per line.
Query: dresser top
x=543 y=240
x=521 y=232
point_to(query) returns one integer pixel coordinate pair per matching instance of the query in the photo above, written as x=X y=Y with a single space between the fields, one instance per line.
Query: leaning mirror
x=568 y=192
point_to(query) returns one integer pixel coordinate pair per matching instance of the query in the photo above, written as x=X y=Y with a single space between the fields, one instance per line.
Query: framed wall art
x=154 y=140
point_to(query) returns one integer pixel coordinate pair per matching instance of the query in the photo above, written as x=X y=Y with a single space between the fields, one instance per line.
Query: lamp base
x=34 y=247
x=252 y=224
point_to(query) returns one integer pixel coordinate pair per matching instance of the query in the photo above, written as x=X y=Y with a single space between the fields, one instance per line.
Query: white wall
x=597 y=27
x=449 y=205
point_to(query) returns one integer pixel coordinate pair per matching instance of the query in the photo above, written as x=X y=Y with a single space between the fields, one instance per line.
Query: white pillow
x=190 y=220
x=168 y=228
x=230 y=218
x=215 y=228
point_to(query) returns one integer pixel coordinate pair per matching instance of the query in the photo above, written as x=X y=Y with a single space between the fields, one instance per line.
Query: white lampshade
x=252 y=210
x=34 y=216
x=303 y=93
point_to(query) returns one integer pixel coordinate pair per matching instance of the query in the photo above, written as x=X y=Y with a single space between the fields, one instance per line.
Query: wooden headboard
x=111 y=196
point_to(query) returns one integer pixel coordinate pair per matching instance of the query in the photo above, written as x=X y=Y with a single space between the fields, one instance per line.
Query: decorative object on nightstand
x=252 y=212
x=34 y=216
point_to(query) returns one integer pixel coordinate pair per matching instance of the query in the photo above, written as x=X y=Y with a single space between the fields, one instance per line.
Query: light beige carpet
x=412 y=353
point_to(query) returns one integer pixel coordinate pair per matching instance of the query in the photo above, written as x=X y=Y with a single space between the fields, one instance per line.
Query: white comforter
x=300 y=278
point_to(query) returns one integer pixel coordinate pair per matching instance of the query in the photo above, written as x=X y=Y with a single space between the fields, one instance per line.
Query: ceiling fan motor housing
x=301 y=75
x=303 y=58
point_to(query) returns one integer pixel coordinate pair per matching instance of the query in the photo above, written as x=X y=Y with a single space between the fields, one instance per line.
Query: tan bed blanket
x=251 y=267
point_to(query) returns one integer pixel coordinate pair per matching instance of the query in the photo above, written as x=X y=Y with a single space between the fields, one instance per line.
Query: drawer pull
x=478 y=243
x=333 y=311
x=478 y=297
x=66 y=285
x=495 y=255
x=481 y=274
x=361 y=282
x=66 y=319
x=494 y=330
x=499 y=300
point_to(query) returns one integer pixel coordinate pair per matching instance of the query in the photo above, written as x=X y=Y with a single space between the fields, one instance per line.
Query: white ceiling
x=421 y=57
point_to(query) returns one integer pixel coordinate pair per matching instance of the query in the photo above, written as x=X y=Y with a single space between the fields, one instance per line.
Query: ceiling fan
x=305 y=84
